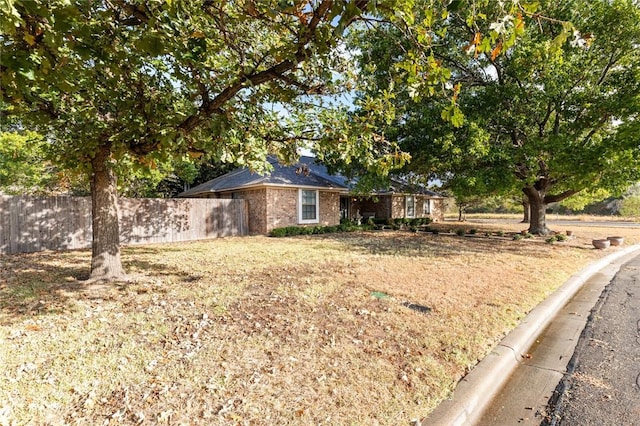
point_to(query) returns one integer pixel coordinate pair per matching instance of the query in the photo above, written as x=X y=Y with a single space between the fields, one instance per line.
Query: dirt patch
x=308 y=330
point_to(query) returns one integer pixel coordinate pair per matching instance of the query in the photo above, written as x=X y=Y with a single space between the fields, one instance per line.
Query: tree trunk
x=537 y=209
x=527 y=207
x=105 y=248
x=460 y=214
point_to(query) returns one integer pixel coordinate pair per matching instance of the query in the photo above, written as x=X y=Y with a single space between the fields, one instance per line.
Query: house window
x=427 y=206
x=411 y=206
x=308 y=206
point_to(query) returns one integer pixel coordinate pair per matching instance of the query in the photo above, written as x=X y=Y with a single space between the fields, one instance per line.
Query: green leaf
x=29 y=74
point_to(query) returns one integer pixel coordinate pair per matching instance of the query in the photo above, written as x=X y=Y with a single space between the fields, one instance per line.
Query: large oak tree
x=116 y=82
x=551 y=116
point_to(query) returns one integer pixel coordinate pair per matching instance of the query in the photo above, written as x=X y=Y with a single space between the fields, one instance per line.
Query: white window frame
x=317 y=196
x=406 y=205
x=426 y=206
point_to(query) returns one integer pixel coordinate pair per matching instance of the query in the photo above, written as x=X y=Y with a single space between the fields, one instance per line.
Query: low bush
x=279 y=232
x=347 y=225
x=460 y=232
x=556 y=238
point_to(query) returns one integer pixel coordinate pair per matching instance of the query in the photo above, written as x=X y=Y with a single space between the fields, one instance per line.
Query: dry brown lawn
x=344 y=329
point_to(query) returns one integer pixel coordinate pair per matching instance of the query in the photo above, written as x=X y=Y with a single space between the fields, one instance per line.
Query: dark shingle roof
x=402 y=186
x=306 y=173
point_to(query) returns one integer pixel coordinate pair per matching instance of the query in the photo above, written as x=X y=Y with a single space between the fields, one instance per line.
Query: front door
x=345 y=207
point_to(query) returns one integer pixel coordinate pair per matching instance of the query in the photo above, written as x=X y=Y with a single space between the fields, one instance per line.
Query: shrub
x=460 y=232
x=528 y=235
x=473 y=231
x=561 y=237
x=518 y=237
x=551 y=240
x=435 y=231
x=500 y=233
x=278 y=232
x=350 y=227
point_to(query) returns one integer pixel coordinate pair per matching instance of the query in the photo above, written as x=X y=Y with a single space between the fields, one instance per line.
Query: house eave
x=268 y=185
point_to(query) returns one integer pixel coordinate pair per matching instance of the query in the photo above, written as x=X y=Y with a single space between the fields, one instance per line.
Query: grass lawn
x=344 y=329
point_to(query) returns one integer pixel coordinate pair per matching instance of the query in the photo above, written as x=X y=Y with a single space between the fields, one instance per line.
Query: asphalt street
x=602 y=384
x=537 y=373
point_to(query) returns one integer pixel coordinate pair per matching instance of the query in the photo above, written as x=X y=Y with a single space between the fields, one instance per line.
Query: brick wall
x=398 y=209
x=258 y=206
x=329 y=208
x=281 y=208
x=437 y=210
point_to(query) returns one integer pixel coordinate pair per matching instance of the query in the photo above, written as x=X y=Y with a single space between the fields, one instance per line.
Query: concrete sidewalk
x=512 y=385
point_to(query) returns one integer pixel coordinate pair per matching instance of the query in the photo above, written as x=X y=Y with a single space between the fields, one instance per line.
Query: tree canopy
x=24 y=168
x=117 y=85
x=124 y=85
x=546 y=120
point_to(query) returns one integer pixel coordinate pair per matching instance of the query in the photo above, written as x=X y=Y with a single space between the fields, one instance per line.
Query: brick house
x=305 y=194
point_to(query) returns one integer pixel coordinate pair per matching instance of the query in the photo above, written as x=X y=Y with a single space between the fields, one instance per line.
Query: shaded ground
x=258 y=330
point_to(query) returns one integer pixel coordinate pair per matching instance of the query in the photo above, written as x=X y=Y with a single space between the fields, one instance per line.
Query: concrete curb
x=476 y=390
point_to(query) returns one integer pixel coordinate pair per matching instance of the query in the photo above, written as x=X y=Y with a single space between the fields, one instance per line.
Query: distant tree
x=25 y=167
x=631 y=202
x=630 y=206
x=188 y=174
x=579 y=201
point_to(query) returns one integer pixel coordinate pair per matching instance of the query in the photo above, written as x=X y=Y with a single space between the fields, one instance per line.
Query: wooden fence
x=29 y=224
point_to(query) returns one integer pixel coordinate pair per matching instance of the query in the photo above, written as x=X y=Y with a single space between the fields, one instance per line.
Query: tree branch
x=559 y=197
x=306 y=35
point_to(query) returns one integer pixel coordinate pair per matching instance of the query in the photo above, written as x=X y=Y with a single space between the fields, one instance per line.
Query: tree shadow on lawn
x=49 y=282
x=34 y=284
